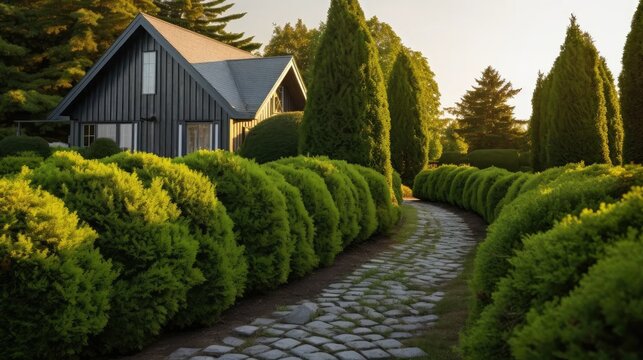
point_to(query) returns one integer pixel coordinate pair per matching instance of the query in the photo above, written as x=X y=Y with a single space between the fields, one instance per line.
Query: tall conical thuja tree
x=631 y=86
x=347 y=115
x=409 y=119
x=614 y=118
x=576 y=110
x=544 y=119
x=534 y=124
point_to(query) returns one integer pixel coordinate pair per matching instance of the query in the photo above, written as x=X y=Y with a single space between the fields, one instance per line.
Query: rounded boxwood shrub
x=303 y=259
x=342 y=190
x=419 y=182
x=497 y=193
x=549 y=266
x=387 y=213
x=102 y=148
x=54 y=286
x=13 y=164
x=600 y=319
x=274 y=138
x=444 y=183
x=219 y=257
x=321 y=208
x=365 y=204
x=14 y=145
x=512 y=193
x=456 y=191
x=257 y=209
x=487 y=180
x=538 y=210
x=397 y=187
x=470 y=191
x=139 y=230
x=508 y=159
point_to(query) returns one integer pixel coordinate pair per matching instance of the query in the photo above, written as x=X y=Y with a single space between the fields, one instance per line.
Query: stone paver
x=370 y=313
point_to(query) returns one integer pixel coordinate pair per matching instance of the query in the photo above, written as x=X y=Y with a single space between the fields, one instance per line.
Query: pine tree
x=486 y=120
x=631 y=87
x=576 y=111
x=534 y=124
x=346 y=115
x=409 y=119
x=614 y=118
x=207 y=17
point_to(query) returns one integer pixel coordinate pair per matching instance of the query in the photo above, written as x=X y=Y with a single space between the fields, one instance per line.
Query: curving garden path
x=368 y=314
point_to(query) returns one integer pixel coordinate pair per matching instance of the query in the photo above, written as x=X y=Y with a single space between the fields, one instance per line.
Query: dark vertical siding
x=115 y=96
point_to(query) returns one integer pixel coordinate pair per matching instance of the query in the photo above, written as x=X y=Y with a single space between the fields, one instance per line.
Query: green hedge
x=257 y=209
x=453 y=158
x=508 y=159
x=512 y=193
x=548 y=267
x=387 y=213
x=13 y=164
x=219 y=258
x=140 y=232
x=54 y=286
x=497 y=192
x=102 y=148
x=340 y=187
x=320 y=206
x=274 y=138
x=365 y=204
x=397 y=187
x=14 y=145
x=303 y=259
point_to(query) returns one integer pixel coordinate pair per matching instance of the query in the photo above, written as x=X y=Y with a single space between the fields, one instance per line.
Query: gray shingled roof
x=244 y=83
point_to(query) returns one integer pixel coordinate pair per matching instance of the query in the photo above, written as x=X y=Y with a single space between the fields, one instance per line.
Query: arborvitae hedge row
x=366 y=206
x=320 y=206
x=219 y=257
x=397 y=187
x=140 y=231
x=54 y=285
x=497 y=192
x=303 y=258
x=257 y=209
x=387 y=213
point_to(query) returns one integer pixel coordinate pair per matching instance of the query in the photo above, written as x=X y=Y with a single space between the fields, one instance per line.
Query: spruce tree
x=207 y=17
x=614 y=118
x=409 y=119
x=486 y=119
x=534 y=124
x=631 y=87
x=576 y=110
x=346 y=115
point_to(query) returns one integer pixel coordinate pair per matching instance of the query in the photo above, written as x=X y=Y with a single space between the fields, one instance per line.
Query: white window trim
x=180 y=140
x=149 y=73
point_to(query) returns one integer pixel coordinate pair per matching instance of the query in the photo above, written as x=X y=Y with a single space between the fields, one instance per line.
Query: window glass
x=107 y=131
x=149 y=72
x=125 y=138
x=199 y=136
x=89 y=134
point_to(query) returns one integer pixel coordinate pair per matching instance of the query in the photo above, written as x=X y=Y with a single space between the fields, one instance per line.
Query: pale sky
x=462 y=37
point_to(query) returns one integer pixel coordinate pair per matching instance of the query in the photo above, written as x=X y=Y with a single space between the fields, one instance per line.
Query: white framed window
x=89 y=134
x=216 y=136
x=149 y=72
x=126 y=136
x=106 y=131
x=199 y=136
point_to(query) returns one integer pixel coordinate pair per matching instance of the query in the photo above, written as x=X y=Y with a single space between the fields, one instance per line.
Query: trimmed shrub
x=600 y=319
x=497 y=192
x=102 y=148
x=456 y=192
x=453 y=158
x=443 y=184
x=539 y=210
x=397 y=187
x=13 y=164
x=407 y=192
x=366 y=206
x=341 y=188
x=549 y=266
x=512 y=193
x=257 y=209
x=14 y=145
x=274 y=138
x=488 y=178
x=54 y=286
x=502 y=158
x=387 y=213
x=219 y=258
x=321 y=208
x=303 y=258
x=524 y=159
x=140 y=232
x=470 y=192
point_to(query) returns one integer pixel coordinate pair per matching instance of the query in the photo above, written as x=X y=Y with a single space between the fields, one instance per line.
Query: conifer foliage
x=631 y=87
x=346 y=116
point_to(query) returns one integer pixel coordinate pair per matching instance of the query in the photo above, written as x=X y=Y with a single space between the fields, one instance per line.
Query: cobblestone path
x=368 y=314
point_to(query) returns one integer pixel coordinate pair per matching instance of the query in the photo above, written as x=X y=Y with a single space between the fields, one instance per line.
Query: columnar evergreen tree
x=486 y=120
x=631 y=87
x=534 y=124
x=389 y=44
x=409 y=119
x=576 y=110
x=347 y=115
x=544 y=121
x=614 y=118
x=206 y=17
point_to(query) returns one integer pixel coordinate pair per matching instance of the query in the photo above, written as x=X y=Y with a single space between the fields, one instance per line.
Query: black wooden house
x=163 y=89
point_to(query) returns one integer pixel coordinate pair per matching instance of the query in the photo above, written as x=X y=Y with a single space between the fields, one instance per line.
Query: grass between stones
x=441 y=340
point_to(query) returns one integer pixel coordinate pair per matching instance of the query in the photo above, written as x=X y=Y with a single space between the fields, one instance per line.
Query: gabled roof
x=239 y=80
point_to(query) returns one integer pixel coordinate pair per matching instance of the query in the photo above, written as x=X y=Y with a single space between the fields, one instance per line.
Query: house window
x=125 y=136
x=106 y=131
x=199 y=136
x=277 y=101
x=89 y=134
x=149 y=72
